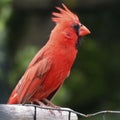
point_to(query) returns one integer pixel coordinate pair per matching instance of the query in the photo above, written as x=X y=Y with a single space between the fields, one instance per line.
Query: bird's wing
x=51 y=95
x=31 y=80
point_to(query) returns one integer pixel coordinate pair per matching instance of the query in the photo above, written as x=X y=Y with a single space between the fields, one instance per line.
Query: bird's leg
x=41 y=103
x=49 y=103
x=38 y=102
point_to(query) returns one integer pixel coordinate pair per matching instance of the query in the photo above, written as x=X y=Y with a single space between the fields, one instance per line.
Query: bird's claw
x=47 y=104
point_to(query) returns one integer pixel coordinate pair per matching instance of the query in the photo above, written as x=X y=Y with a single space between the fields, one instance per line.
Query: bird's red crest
x=64 y=15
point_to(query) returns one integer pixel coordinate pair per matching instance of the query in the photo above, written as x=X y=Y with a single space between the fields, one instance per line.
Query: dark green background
x=94 y=82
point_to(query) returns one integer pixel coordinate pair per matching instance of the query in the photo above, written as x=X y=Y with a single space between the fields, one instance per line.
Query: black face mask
x=76 y=27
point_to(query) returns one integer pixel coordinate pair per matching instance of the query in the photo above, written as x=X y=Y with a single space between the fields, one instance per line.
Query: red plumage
x=52 y=64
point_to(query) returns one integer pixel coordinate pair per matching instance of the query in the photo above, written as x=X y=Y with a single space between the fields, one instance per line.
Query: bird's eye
x=76 y=27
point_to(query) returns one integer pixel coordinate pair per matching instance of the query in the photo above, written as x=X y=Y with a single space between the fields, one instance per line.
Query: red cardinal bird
x=52 y=64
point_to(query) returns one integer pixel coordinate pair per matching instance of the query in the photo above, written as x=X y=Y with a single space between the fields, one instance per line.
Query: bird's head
x=69 y=23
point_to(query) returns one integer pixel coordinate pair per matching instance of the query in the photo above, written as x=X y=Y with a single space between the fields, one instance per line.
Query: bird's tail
x=13 y=99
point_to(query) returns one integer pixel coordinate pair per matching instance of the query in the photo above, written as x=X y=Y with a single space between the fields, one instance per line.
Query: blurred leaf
x=22 y=59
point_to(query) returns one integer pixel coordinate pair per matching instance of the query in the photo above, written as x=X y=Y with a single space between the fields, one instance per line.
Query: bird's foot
x=39 y=102
x=49 y=103
x=45 y=103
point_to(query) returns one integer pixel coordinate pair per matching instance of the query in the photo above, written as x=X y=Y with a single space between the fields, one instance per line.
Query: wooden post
x=29 y=112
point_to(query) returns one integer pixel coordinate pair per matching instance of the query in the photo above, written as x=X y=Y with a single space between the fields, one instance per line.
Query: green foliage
x=5 y=11
x=21 y=61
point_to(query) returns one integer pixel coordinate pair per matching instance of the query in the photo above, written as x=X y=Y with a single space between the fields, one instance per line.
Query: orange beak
x=83 y=31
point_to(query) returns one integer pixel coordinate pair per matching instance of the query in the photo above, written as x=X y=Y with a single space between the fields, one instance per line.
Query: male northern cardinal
x=52 y=64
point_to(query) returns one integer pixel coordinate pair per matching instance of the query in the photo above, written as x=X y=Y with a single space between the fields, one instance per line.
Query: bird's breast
x=62 y=62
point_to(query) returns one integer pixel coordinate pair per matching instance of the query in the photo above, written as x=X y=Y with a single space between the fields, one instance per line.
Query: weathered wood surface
x=23 y=112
